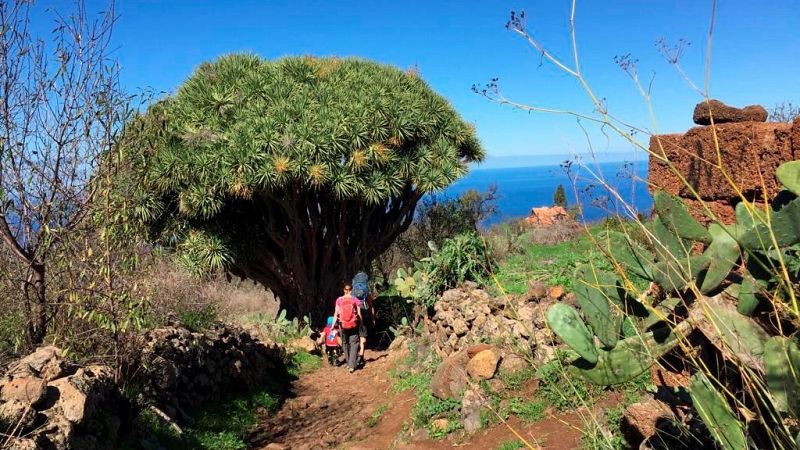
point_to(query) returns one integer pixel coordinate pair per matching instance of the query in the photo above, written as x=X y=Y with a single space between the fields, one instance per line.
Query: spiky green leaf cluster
x=298 y=130
x=242 y=124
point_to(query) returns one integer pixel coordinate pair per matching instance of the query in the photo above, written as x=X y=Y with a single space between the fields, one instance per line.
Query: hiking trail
x=331 y=408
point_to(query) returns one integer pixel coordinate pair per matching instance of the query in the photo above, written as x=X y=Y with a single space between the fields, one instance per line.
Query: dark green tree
x=560 y=197
x=295 y=173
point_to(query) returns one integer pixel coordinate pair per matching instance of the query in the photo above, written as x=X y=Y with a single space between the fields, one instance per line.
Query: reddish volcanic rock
x=722 y=113
x=750 y=153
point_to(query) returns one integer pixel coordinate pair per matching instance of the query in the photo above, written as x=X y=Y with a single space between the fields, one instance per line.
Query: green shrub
x=199 y=319
x=529 y=411
x=516 y=380
x=511 y=445
x=462 y=258
x=562 y=391
x=303 y=362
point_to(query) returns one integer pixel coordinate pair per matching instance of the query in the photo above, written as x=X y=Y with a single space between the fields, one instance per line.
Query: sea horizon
x=520 y=189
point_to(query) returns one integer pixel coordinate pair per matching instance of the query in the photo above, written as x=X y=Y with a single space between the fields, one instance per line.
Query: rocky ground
x=477 y=338
x=331 y=408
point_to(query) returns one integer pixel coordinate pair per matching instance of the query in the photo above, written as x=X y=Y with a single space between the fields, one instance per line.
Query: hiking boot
x=361 y=361
x=351 y=370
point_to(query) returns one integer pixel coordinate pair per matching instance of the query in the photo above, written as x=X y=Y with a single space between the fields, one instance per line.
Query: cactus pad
x=568 y=325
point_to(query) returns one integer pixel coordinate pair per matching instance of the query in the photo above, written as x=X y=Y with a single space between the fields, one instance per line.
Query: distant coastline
x=518 y=161
x=522 y=188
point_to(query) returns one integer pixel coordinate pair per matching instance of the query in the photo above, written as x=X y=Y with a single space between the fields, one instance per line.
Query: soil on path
x=331 y=408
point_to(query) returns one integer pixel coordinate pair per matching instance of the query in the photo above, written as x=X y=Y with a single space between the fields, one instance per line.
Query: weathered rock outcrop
x=182 y=368
x=722 y=113
x=53 y=404
x=749 y=151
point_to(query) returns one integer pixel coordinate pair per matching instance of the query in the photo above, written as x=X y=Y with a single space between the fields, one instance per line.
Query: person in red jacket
x=348 y=316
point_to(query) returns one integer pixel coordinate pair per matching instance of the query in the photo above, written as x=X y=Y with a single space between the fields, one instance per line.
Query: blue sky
x=456 y=44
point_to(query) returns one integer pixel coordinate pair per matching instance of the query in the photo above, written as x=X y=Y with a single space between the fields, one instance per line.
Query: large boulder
x=483 y=365
x=722 y=113
x=58 y=405
x=450 y=378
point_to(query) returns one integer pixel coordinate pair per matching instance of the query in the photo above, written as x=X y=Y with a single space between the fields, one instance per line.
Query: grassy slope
x=553 y=264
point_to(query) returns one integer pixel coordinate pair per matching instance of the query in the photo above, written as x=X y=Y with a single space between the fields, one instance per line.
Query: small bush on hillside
x=279 y=328
x=508 y=238
x=784 y=112
x=460 y=259
x=437 y=219
x=199 y=319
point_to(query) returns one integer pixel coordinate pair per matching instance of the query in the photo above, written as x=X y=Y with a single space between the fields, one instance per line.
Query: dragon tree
x=295 y=172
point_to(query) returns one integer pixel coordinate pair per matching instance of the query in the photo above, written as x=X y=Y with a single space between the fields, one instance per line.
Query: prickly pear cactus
x=717 y=415
x=595 y=291
x=723 y=253
x=789 y=176
x=782 y=367
x=784 y=226
x=631 y=356
x=627 y=253
x=674 y=216
x=568 y=325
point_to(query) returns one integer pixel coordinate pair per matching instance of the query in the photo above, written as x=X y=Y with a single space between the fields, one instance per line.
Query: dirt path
x=329 y=407
x=317 y=416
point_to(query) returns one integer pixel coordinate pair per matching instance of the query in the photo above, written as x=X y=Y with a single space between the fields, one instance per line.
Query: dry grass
x=174 y=291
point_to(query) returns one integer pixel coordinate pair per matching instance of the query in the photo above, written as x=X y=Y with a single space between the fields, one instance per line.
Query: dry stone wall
x=183 y=368
x=750 y=150
x=467 y=316
x=48 y=402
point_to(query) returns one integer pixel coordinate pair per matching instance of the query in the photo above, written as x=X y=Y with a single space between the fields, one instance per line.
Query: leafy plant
x=280 y=328
x=375 y=417
x=530 y=410
x=199 y=320
x=303 y=362
x=761 y=242
x=462 y=258
x=511 y=445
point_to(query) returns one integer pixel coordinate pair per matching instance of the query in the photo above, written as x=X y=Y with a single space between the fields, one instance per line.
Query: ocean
x=522 y=188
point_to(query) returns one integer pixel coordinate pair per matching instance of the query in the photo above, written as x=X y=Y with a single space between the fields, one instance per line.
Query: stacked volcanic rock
x=750 y=149
x=183 y=368
x=467 y=316
x=50 y=403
